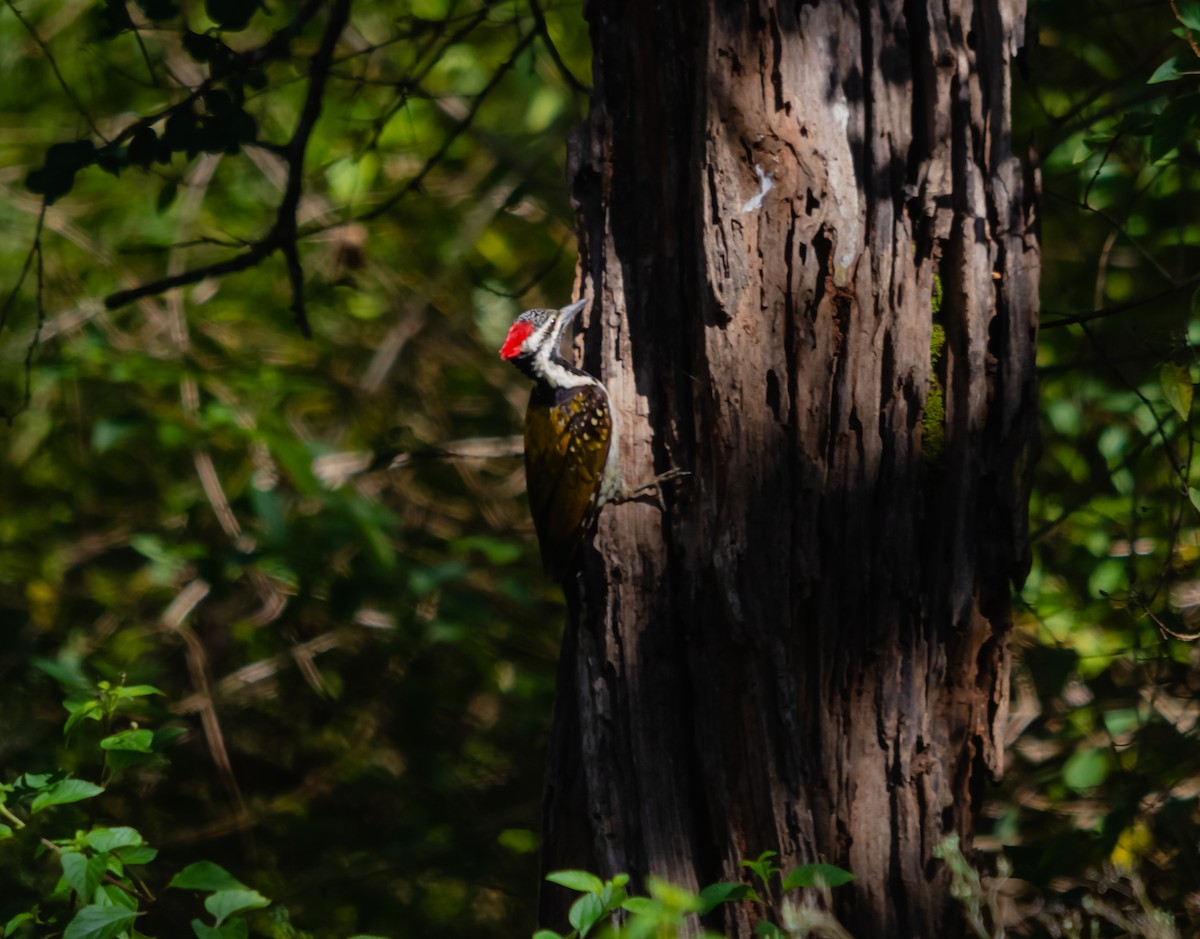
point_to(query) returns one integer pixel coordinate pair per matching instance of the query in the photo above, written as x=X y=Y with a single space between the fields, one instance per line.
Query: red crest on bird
x=517 y=334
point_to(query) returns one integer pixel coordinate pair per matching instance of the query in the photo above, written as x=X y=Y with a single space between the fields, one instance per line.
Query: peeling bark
x=808 y=652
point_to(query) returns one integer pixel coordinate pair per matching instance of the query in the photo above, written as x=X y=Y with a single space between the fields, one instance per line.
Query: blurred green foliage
x=1104 y=771
x=357 y=669
x=357 y=673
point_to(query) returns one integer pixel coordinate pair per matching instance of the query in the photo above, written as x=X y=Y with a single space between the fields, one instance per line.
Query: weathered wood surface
x=808 y=652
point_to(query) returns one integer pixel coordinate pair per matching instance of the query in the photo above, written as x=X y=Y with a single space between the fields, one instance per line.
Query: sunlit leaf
x=63 y=792
x=1171 y=70
x=234 y=929
x=100 y=922
x=110 y=839
x=585 y=912
x=205 y=875
x=82 y=873
x=576 y=880
x=1188 y=13
x=1087 y=769
x=137 y=741
x=225 y=903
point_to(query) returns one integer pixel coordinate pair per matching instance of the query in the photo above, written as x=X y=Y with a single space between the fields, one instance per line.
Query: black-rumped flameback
x=571 y=454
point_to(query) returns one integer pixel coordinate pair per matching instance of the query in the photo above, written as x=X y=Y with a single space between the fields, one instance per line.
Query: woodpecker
x=572 y=467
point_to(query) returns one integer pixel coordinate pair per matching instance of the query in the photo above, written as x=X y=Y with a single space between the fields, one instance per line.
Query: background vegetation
x=356 y=671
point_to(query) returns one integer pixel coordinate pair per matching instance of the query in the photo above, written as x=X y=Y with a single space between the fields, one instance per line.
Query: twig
x=174 y=620
x=83 y=112
x=540 y=19
x=1140 y=395
x=1190 y=41
x=538 y=276
x=335 y=469
x=284 y=231
x=283 y=234
x=254 y=254
x=1081 y=318
x=415 y=183
x=35 y=251
x=142 y=894
x=1104 y=214
x=412 y=83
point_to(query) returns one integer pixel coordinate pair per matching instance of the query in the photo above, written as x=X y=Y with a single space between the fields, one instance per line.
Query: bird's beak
x=567 y=313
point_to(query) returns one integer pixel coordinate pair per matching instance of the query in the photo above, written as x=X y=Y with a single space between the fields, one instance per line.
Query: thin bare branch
x=543 y=31
x=415 y=183
x=1079 y=319
x=83 y=112
x=35 y=252
x=1190 y=40
x=283 y=234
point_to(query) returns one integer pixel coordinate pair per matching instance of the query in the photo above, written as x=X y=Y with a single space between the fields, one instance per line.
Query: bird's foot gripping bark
x=654 y=487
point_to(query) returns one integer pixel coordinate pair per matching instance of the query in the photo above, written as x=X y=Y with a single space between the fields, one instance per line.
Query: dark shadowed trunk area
x=808 y=652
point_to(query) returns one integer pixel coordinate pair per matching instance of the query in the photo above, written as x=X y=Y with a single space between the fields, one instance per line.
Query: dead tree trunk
x=808 y=651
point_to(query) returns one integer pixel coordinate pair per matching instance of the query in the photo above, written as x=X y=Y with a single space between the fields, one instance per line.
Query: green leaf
x=577 y=880
x=231 y=14
x=1194 y=495
x=109 y=839
x=714 y=895
x=814 y=875
x=17 y=922
x=143 y=147
x=1169 y=71
x=225 y=903
x=769 y=930
x=135 y=691
x=112 y=895
x=1086 y=769
x=672 y=896
x=1176 y=381
x=81 y=710
x=762 y=866
x=142 y=854
x=585 y=912
x=5 y=831
x=84 y=874
x=64 y=791
x=1189 y=13
x=540 y=934
x=205 y=875
x=234 y=929
x=521 y=840
x=100 y=922
x=137 y=741
x=106 y=434
x=158 y=9
x=643 y=906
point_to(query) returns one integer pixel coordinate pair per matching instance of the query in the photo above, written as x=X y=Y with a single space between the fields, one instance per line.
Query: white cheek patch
x=537 y=337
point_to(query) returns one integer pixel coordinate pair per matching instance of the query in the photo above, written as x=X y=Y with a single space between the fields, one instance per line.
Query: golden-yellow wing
x=567 y=434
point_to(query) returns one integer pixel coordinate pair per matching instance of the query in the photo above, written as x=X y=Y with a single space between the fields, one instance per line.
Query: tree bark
x=807 y=652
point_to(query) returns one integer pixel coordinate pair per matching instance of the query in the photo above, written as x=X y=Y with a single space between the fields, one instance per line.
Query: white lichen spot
x=841 y=115
x=765 y=185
